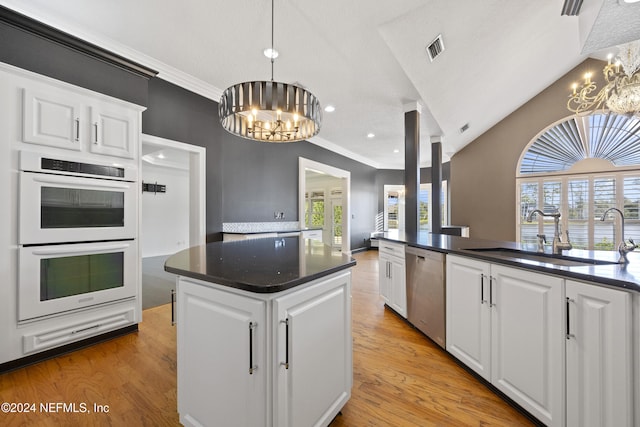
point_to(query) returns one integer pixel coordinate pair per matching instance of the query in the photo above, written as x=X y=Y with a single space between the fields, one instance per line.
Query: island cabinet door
x=599 y=356
x=221 y=358
x=527 y=341
x=313 y=372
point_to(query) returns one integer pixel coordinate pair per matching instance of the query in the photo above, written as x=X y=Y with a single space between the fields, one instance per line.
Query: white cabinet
x=249 y=359
x=506 y=324
x=599 y=356
x=65 y=119
x=392 y=276
x=222 y=366
x=52 y=117
x=468 y=314
x=314 y=357
x=527 y=340
x=114 y=131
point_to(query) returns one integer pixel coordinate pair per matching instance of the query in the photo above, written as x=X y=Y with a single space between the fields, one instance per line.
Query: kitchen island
x=264 y=332
x=557 y=334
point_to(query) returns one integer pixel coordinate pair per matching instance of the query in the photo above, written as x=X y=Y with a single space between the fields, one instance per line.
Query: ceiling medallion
x=270 y=111
x=621 y=94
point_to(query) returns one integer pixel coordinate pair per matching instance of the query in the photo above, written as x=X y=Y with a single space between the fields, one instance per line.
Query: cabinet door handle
x=286 y=343
x=252 y=367
x=569 y=335
x=390 y=269
x=95 y=125
x=173 y=307
x=491 y=303
x=77 y=129
x=482 y=277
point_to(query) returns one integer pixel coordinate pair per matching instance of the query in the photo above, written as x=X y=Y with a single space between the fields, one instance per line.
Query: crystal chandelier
x=621 y=94
x=270 y=111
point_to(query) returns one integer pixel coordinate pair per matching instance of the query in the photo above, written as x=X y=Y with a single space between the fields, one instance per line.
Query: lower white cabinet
x=222 y=369
x=314 y=355
x=392 y=276
x=506 y=324
x=561 y=349
x=249 y=359
x=599 y=356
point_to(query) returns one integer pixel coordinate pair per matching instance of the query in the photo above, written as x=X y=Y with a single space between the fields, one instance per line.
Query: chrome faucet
x=623 y=248
x=558 y=245
x=542 y=239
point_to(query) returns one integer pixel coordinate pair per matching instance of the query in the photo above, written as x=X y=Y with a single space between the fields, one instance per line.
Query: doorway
x=172 y=210
x=317 y=180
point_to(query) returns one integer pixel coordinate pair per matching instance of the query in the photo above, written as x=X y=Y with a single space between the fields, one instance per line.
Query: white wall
x=165 y=216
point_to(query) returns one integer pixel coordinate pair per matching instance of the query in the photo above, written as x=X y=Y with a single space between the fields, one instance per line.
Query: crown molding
x=321 y=142
x=55 y=35
x=109 y=46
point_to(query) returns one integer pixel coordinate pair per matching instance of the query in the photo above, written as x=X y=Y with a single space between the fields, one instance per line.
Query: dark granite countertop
x=615 y=275
x=267 y=265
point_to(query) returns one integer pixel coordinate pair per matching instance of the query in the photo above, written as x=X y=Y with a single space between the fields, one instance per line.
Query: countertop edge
x=259 y=289
x=624 y=284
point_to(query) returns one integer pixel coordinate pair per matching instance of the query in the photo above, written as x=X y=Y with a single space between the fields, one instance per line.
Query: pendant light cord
x=272 y=50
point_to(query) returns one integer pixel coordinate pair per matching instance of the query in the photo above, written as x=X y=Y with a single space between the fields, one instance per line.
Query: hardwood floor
x=400 y=377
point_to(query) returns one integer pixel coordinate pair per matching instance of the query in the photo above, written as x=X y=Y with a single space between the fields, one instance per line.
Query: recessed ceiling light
x=161 y=156
x=371 y=135
x=329 y=108
x=631 y=1
x=396 y=151
x=270 y=53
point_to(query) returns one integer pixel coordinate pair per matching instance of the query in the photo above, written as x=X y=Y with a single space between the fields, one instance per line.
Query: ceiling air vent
x=435 y=48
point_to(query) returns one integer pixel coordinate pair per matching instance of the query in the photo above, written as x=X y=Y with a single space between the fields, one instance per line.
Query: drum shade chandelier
x=621 y=94
x=270 y=111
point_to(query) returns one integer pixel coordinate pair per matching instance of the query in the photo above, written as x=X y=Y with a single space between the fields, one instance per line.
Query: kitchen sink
x=569 y=261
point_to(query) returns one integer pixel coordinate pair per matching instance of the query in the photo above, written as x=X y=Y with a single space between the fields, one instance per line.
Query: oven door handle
x=84 y=182
x=89 y=248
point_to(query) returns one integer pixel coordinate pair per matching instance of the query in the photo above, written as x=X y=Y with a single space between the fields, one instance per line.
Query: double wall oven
x=77 y=234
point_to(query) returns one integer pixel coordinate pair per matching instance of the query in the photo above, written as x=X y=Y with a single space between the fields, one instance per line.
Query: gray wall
x=248 y=181
x=483 y=188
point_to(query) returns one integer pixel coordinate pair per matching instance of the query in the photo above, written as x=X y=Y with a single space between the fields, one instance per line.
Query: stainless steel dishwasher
x=426 y=292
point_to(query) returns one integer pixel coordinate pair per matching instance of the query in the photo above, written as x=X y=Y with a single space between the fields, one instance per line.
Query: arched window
x=582 y=166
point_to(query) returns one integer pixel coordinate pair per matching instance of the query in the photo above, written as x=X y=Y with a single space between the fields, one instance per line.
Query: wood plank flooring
x=400 y=377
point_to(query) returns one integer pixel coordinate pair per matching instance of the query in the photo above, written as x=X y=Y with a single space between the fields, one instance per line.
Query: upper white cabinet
x=114 y=131
x=506 y=324
x=392 y=276
x=599 y=356
x=52 y=117
x=66 y=119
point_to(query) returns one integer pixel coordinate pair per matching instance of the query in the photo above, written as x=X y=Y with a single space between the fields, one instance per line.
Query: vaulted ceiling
x=365 y=57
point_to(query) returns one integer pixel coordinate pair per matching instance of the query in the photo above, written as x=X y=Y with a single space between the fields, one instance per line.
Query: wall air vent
x=435 y=48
